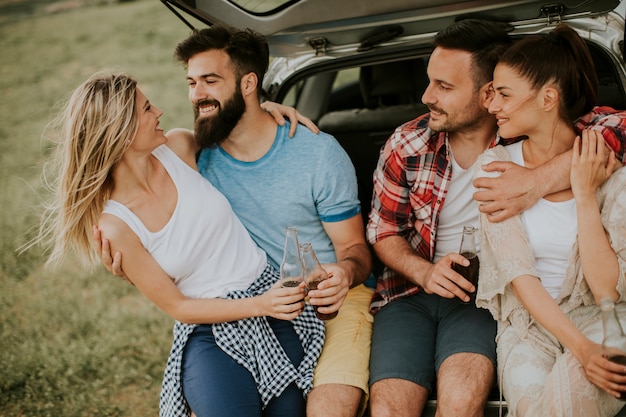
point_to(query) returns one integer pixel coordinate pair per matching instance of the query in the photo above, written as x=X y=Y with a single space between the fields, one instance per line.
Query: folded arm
x=590 y=170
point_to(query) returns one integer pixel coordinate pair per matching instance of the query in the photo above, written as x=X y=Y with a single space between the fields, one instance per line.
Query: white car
x=358 y=67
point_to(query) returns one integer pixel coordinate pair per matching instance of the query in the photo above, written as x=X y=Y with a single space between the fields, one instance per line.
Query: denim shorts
x=412 y=336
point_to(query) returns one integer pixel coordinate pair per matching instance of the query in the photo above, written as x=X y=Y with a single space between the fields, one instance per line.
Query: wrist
x=256 y=307
x=351 y=267
x=538 y=186
x=581 y=347
x=585 y=196
x=419 y=275
x=586 y=202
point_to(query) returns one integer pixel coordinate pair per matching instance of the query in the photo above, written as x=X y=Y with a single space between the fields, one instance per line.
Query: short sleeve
x=335 y=187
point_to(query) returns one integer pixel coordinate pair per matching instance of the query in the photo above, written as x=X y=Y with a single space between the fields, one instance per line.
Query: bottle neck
x=468 y=241
x=614 y=340
x=610 y=321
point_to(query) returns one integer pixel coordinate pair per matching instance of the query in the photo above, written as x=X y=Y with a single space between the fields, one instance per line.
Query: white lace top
x=506 y=254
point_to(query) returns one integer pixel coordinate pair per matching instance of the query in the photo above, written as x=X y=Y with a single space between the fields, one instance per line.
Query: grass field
x=73 y=342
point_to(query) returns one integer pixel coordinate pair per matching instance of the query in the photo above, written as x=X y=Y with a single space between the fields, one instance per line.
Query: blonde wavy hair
x=95 y=128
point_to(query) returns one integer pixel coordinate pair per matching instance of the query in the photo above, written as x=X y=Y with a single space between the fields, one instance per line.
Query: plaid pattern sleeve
x=611 y=123
x=410 y=183
x=251 y=343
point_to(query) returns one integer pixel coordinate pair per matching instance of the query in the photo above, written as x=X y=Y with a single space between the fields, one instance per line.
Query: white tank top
x=204 y=247
x=552 y=230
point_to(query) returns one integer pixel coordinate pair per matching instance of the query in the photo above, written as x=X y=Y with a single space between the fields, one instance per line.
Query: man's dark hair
x=485 y=40
x=247 y=49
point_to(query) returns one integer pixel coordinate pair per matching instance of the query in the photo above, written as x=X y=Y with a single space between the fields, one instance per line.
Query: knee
x=460 y=401
x=396 y=397
x=381 y=406
x=334 y=399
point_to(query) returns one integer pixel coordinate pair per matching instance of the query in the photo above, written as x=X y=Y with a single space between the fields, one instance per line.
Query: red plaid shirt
x=411 y=182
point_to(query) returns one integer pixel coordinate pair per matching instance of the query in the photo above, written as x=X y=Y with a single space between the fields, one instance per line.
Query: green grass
x=74 y=342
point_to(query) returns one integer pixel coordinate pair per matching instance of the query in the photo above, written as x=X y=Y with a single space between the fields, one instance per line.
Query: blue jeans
x=215 y=385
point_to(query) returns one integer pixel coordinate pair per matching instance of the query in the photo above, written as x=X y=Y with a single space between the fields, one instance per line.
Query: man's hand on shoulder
x=513 y=191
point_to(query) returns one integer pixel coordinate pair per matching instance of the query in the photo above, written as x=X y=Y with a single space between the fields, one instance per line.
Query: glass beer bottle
x=291 y=267
x=614 y=341
x=313 y=275
x=468 y=251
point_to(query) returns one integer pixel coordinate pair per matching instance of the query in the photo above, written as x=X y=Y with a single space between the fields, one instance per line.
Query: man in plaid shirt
x=424 y=329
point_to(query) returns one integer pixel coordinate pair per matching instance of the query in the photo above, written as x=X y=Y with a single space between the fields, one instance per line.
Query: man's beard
x=211 y=131
x=466 y=120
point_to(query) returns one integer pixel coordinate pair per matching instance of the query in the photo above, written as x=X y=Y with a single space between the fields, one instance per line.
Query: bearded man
x=273 y=181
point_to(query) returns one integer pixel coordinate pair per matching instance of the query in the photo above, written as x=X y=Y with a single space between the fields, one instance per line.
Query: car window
x=346 y=91
x=291 y=98
x=346 y=77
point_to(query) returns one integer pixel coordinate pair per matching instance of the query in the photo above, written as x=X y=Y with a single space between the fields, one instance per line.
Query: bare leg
x=394 y=397
x=463 y=385
x=334 y=400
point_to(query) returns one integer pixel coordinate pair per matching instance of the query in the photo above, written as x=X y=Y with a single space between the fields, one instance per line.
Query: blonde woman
x=186 y=251
x=543 y=271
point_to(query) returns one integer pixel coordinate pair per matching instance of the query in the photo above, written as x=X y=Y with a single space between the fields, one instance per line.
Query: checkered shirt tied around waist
x=251 y=343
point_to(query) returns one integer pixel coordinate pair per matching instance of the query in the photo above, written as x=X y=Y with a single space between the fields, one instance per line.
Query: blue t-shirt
x=300 y=181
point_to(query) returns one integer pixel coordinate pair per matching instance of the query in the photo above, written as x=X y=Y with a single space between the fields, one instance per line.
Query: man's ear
x=486 y=94
x=249 y=83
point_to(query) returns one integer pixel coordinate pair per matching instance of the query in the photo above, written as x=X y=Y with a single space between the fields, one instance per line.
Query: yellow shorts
x=346 y=353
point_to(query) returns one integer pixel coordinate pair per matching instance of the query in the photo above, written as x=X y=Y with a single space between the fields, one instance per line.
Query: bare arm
x=438 y=278
x=519 y=188
x=143 y=271
x=354 y=263
x=542 y=307
x=589 y=171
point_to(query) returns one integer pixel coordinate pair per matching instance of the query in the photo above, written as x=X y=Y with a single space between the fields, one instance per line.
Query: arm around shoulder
x=518 y=188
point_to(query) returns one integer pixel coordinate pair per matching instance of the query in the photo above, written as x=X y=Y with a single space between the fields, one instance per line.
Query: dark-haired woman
x=544 y=271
